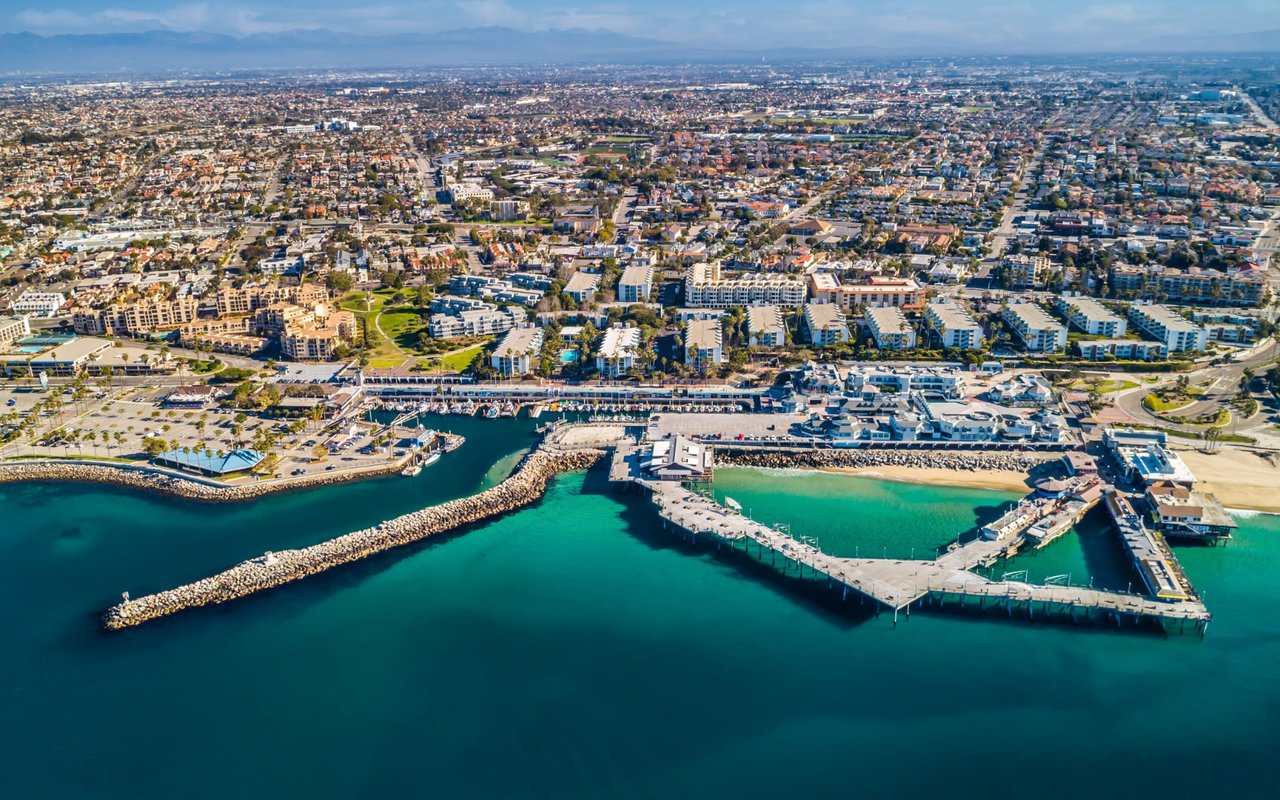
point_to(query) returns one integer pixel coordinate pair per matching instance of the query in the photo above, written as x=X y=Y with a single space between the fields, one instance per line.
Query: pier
x=896 y=585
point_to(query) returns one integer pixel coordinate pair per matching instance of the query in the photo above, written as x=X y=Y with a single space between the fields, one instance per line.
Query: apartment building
x=12 y=328
x=485 y=321
x=318 y=338
x=765 y=327
x=636 y=284
x=1164 y=325
x=880 y=292
x=39 y=304
x=232 y=301
x=1245 y=286
x=706 y=288
x=825 y=324
x=1027 y=272
x=1122 y=349
x=1037 y=331
x=1089 y=316
x=890 y=329
x=518 y=351
x=582 y=287
x=954 y=326
x=703 y=343
x=617 y=352
x=131 y=318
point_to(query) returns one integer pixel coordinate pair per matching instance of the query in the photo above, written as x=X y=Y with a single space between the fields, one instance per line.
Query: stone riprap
x=525 y=486
x=1018 y=461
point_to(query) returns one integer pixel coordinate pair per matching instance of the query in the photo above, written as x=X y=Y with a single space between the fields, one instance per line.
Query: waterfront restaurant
x=677 y=458
x=215 y=465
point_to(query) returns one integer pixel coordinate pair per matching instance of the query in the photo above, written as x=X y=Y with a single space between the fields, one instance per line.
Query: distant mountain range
x=165 y=51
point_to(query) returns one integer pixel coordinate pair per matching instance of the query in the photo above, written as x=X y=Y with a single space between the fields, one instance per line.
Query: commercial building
x=954 y=326
x=636 y=284
x=890 y=329
x=618 y=350
x=677 y=458
x=765 y=327
x=931 y=382
x=1037 y=331
x=825 y=324
x=1181 y=511
x=39 y=304
x=1174 y=331
x=1091 y=317
x=211 y=464
x=1143 y=456
x=703 y=343
x=879 y=292
x=518 y=351
x=706 y=288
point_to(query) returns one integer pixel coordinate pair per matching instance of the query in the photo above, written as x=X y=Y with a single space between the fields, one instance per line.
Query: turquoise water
x=568 y=356
x=573 y=650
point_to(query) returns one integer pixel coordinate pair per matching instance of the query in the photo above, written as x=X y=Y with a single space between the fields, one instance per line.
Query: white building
x=765 y=327
x=12 y=328
x=1037 y=331
x=704 y=287
x=825 y=324
x=582 y=287
x=703 y=343
x=40 y=304
x=1091 y=317
x=474 y=322
x=518 y=351
x=636 y=284
x=954 y=326
x=618 y=350
x=1165 y=325
x=1027 y=271
x=890 y=329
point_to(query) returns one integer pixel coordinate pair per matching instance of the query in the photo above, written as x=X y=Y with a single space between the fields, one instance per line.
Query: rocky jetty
x=150 y=479
x=525 y=485
x=1018 y=461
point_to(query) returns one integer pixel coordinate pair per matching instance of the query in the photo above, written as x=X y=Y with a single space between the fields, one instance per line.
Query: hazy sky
x=1002 y=25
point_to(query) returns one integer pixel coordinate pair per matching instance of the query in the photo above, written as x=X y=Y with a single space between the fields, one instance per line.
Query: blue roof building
x=213 y=465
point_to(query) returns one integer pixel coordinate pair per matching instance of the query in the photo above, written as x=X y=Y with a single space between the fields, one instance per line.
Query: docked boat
x=491 y=411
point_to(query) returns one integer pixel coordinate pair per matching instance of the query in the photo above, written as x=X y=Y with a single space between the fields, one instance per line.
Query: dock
x=896 y=585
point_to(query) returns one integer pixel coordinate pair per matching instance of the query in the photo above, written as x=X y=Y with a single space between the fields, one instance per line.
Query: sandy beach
x=1003 y=480
x=1238 y=478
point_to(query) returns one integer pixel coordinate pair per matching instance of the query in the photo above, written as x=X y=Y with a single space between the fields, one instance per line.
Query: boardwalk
x=898 y=584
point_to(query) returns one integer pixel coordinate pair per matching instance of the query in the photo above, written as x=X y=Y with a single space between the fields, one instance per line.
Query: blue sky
x=1013 y=25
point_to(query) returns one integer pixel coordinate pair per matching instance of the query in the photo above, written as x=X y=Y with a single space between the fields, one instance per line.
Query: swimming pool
x=568 y=356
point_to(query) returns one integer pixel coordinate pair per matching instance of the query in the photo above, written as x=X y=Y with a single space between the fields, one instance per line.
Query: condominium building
x=765 y=327
x=1037 y=331
x=705 y=288
x=12 y=328
x=703 y=343
x=1244 y=286
x=1091 y=317
x=1123 y=349
x=131 y=318
x=232 y=301
x=40 y=304
x=518 y=351
x=890 y=329
x=1027 y=271
x=317 y=337
x=474 y=322
x=1170 y=328
x=618 y=350
x=636 y=284
x=582 y=286
x=954 y=326
x=880 y=292
x=825 y=324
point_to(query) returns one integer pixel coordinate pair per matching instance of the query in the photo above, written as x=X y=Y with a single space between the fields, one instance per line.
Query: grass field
x=385 y=353
x=452 y=362
x=402 y=324
x=1106 y=387
x=1154 y=402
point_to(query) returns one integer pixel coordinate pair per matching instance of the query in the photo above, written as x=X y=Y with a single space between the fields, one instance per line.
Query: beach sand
x=1238 y=478
x=1002 y=479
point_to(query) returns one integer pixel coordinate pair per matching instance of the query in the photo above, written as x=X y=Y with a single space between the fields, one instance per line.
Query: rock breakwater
x=152 y=480
x=525 y=485
x=1020 y=461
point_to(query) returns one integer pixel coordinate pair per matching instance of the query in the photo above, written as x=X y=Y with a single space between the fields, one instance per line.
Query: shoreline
x=525 y=486
x=991 y=479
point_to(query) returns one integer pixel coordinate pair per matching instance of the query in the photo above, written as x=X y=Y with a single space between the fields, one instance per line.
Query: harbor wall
x=525 y=486
x=1019 y=461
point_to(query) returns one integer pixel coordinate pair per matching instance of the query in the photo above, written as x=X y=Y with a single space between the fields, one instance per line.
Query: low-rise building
x=1026 y=272
x=890 y=329
x=484 y=321
x=12 y=328
x=618 y=349
x=703 y=343
x=1122 y=349
x=879 y=292
x=1091 y=317
x=39 y=304
x=765 y=327
x=1174 y=331
x=582 y=287
x=705 y=287
x=1037 y=331
x=954 y=326
x=636 y=284
x=825 y=324
x=518 y=351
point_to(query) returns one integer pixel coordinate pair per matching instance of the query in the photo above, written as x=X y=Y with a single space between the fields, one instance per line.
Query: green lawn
x=1106 y=387
x=385 y=353
x=453 y=362
x=402 y=324
x=1153 y=402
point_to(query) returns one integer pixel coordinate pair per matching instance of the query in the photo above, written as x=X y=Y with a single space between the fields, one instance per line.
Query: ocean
x=576 y=650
